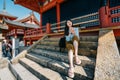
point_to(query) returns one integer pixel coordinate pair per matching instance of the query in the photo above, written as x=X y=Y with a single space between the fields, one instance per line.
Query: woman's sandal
x=77 y=61
x=71 y=72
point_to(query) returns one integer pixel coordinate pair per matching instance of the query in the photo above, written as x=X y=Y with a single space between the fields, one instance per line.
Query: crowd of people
x=7 y=48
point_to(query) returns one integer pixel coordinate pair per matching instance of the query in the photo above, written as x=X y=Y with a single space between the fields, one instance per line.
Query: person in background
x=10 y=46
x=4 y=49
x=9 y=49
x=72 y=42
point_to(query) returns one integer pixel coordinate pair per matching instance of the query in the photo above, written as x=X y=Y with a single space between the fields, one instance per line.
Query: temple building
x=5 y=15
x=98 y=27
x=11 y=27
x=54 y=13
x=18 y=27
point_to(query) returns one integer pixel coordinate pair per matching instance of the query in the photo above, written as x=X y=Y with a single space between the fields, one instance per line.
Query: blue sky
x=16 y=10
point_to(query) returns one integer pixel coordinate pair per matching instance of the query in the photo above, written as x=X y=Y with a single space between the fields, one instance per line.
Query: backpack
x=62 y=43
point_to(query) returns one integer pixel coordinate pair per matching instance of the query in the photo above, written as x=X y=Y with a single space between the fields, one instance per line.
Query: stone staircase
x=45 y=62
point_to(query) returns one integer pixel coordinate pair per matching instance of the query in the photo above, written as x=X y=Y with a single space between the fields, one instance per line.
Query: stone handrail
x=24 y=52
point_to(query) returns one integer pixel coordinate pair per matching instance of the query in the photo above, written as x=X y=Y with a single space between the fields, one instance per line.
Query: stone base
x=108 y=58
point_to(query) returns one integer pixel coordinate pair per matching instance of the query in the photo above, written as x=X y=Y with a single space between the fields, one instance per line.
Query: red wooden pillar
x=40 y=20
x=48 y=29
x=104 y=14
x=25 y=42
x=15 y=35
x=58 y=14
x=31 y=41
x=41 y=23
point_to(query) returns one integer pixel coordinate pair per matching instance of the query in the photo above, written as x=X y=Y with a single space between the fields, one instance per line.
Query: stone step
x=52 y=39
x=41 y=72
x=86 y=61
x=89 y=38
x=62 y=67
x=83 y=44
x=21 y=73
x=3 y=62
x=81 y=51
x=5 y=74
x=82 y=38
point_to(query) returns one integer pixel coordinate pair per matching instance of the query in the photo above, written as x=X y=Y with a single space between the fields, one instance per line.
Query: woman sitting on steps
x=72 y=42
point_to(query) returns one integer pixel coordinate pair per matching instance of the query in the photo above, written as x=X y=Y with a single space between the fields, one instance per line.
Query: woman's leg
x=75 y=43
x=70 y=57
x=70 y=48
x=71 y=68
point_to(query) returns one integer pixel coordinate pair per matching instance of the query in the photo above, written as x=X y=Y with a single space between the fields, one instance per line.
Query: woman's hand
x=72 y=31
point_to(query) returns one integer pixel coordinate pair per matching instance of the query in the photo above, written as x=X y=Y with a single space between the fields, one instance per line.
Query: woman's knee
x=75 y=43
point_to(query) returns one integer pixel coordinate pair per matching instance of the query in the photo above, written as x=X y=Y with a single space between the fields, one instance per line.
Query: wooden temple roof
x=36 y=5
x=4 y=13
x=19 y=24
x=31 y=4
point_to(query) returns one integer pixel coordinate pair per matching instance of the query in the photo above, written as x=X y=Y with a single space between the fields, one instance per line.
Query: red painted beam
x=115 y=15
x=115 y=24
x=60 y=1
x=50 y=5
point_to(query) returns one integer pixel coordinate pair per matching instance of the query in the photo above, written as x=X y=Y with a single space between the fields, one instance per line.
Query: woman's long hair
x=67 y=28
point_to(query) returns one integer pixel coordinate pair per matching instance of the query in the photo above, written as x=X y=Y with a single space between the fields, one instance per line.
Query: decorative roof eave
x=31 y=4
x=36 y=20
x=24 y=19
x=35 y=4
x=19 y=24
x=28 y=18
x=7 y=15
